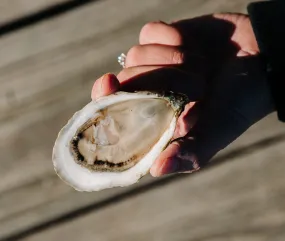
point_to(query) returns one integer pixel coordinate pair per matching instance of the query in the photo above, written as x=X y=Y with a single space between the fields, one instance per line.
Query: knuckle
x=177 y=57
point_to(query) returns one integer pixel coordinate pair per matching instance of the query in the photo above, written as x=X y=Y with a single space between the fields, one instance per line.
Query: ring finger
x=154 y=54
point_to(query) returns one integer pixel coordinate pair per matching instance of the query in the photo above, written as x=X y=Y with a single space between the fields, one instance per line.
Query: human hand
x=214 y=60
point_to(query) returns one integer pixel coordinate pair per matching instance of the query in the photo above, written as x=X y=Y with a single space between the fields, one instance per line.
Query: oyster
x=114 y=141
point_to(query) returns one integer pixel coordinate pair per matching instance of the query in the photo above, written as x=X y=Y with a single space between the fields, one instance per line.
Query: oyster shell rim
x=177 y=101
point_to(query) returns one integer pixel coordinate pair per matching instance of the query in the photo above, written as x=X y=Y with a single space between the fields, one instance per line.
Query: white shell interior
x=81 y=178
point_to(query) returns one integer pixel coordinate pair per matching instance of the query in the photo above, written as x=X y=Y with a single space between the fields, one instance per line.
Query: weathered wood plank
x=74 y=66
x=42 y=88
x=66 y=75
x=41 y=45
x=14 y=9
x=48 y=197
x=242 y=200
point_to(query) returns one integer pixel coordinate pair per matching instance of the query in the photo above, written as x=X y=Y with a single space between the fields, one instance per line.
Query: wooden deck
x=48 y=62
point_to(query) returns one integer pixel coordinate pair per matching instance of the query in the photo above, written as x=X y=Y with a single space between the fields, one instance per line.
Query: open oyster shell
x=114 y=140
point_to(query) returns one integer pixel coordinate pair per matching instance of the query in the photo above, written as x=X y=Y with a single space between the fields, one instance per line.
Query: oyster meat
x=114 y=140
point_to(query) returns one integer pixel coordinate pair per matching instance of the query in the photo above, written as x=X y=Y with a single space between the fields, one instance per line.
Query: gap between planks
x=241 y=197
x=12 y=10
x=39 y=66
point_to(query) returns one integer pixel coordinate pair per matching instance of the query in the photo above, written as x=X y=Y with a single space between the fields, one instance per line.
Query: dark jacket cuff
x=268 y=19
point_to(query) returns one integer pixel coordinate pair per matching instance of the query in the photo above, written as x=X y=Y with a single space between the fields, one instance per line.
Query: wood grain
x=14 y=9
x=243 y=200
x=46 y=73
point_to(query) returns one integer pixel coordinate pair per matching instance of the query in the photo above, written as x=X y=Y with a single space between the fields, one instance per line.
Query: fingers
x=176 y=158
x=152 y=78
x=155 y=78
x=163 y=55
x=106 y=85
x=179 y=156
x=158 y=46
x=130 y=73
x=153 y=54
x=160 y=33
x=186 y=120
x=215 y=129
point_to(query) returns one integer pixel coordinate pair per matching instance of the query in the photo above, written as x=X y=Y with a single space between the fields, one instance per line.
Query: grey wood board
x=15 y=9
x=46 y=74
x=241 y=200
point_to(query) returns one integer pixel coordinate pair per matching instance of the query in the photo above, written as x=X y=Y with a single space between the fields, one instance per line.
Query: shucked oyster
x=114 y=141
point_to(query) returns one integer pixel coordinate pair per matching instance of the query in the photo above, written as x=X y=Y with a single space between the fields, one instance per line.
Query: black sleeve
x=268 y=21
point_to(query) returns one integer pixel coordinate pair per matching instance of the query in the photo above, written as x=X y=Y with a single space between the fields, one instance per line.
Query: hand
x=214 y=60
